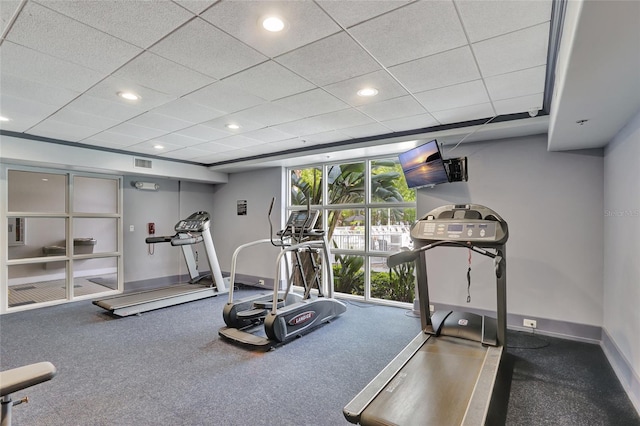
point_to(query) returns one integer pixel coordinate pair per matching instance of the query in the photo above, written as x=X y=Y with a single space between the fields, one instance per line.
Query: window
x=64 y=236
x=367 y=211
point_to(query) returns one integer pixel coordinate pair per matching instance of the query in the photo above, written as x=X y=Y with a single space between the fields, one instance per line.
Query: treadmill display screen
x=455 y=228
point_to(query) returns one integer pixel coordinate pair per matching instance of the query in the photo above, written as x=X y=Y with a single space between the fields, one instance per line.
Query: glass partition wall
x=63 y=239
x=367 y=211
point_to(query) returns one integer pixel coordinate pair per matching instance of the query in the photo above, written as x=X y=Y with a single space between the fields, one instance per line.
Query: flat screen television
x=423 y=165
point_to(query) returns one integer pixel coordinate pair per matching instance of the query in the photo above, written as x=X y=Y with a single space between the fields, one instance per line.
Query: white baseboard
x=623 y=369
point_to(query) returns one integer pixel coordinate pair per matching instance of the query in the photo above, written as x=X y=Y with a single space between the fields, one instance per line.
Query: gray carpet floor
x=170 y=367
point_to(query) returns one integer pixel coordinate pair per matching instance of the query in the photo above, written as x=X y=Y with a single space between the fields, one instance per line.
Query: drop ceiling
x=440 y=67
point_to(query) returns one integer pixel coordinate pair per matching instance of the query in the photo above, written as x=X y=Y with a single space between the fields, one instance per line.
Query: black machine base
x=465 y=325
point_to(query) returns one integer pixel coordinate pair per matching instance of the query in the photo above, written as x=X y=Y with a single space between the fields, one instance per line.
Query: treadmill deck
x=142 y=301
x=437 y=381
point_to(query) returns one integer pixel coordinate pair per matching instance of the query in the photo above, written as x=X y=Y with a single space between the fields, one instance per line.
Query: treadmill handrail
x=410 y=255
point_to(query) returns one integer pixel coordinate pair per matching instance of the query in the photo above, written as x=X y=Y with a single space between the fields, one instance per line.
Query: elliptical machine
x=285 y=314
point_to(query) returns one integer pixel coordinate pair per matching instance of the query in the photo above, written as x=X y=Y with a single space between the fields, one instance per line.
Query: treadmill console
x=469 y=222
x=197 y=222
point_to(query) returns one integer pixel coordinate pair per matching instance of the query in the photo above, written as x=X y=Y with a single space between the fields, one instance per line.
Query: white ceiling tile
x=366 y=130
x=514 y=51
x=137 y=131
x=160 y=122
x=138 y=22
x=215 y=147
x=306 y=126
x=62 y=130
x=486 y=19
x=7 y=9
x=444 y=69
x=329 y=60
x=204 y=48
x=268 y=114
x=411 y=123
x=326 y=137
x=268 y=134
x=215 y=158
x=393 y=108
x=225 y=97
x=264 y=148
x=57 y=35
x=288 y=144
x=458 y=95
x=342 y=119
x=305 y=23
x=386 y=85
x=195 y=6
x=270 y=81
x=71 y=116
x=23 y=113
x=190 y=154
x=32 y=65
x=162 y=75
x=203 y=133
x=349 y=13
x=466 y=113
x=238 y=141
x=112 y=139
x=220 y=124
x=186 y=110
x=115 y=108
x=238 y=153
x=518 y=83
x=149 y=147
x=28 y=89
x=177 y=139
x=519 y=104
x=417 y=30
x=109 y=87
x=313 y=102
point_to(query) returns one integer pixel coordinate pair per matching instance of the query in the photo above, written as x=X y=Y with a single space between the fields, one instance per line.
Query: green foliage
x=397 y=284
x=348 y=274
x=346 y=185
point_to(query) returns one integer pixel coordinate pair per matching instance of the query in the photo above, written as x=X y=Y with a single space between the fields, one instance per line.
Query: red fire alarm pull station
x=151 y=228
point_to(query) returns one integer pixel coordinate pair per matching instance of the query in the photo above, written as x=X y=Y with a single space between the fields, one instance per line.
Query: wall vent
x=139 y=162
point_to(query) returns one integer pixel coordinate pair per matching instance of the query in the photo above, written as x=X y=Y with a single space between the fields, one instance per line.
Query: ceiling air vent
x=139 y=162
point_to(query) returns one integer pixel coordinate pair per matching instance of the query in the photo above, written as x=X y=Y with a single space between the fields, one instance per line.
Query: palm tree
x=346 y=185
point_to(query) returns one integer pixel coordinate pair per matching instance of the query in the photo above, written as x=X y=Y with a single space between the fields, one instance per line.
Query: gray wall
x=622 y=254
x=174 y=200
x=552 y=202
x=232 y=230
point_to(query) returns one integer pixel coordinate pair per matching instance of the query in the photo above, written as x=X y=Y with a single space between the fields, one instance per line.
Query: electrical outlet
x=431 y=308
x=529 y=323
x=260 y=282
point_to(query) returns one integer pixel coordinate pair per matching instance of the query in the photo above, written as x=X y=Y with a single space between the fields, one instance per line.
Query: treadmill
x=190 y=231
x=447 y=375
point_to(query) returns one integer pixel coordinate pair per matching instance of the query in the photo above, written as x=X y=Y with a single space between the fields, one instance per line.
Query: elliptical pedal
x=267 y=304
x=252 y=313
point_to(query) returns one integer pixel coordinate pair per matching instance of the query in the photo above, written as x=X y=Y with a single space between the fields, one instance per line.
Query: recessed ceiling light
x=158 y=147
x=130 y=96
x=367 y=91
x=233 y=126
x=3 y=118
x=273 y=24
